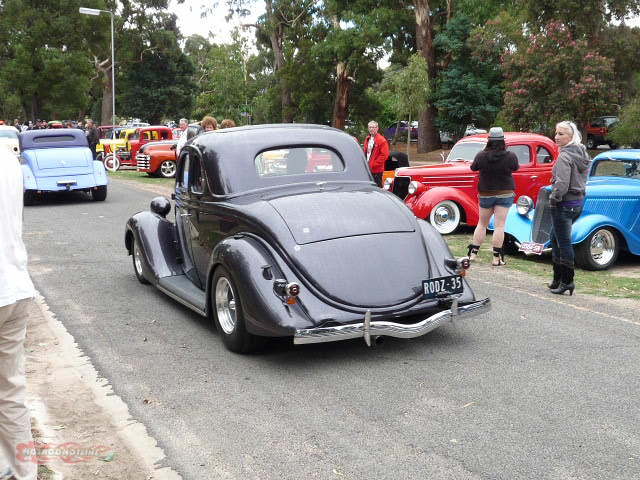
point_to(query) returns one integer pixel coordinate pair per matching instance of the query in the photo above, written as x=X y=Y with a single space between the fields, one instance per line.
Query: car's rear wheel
x=137 y=263
x=99 y=194
x=167 y=169
x=229 y=315
x=599 y=250
x=111 y=163
x=445 y=217
x=591 y=143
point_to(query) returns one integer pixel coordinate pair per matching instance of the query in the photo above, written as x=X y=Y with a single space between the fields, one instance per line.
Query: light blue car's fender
x=516 y=225
x=587 y=224
x=28 y=178
x=99 y=173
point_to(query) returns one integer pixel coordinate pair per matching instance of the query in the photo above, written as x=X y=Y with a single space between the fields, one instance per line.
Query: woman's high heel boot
x=472 y=253
x=566 y=282
x=556 y=277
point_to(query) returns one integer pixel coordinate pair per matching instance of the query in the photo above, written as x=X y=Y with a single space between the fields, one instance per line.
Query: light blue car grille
x=541 y=232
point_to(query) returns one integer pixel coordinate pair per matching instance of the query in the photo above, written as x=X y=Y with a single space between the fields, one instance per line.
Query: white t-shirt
x=181 y=141
x=15 y=283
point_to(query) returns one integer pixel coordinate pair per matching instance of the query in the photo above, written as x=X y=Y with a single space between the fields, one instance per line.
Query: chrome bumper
x=369 y=330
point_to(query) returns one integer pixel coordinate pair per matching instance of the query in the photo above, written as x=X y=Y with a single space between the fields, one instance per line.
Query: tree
x=626 y=131
x=411 y=89
x=468 y=89
x=554 y=78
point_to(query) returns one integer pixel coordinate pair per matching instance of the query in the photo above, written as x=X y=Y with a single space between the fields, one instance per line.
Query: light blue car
x=610 y=220
x=60 y=160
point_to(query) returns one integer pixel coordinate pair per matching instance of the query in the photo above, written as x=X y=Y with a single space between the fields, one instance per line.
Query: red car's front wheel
x=445 y=217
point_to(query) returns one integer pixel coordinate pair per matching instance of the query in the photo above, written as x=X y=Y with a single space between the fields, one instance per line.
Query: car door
x=526 y=172
x=200 y=221
x=184 y=211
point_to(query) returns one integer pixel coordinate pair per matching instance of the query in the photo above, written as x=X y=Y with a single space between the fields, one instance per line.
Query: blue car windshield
x=617 y=168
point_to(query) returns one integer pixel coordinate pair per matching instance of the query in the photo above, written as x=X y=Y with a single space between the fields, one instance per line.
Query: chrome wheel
x=225 y=305
x=445 y=217
x=603 y=247
x=111 y=163
x=168 y=169
x=137 y=260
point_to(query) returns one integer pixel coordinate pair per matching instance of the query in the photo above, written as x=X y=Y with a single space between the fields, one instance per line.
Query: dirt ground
x=416 y=158
x=71 y=404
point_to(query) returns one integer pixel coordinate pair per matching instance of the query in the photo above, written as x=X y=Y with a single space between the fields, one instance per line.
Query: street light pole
x=95 y=11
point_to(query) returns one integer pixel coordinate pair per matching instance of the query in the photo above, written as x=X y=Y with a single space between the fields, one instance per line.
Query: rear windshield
x=297 y=161
x=617 y=168
x=8 y=133
x=54 y=138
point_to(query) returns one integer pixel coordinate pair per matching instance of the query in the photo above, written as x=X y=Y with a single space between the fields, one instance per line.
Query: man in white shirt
x=184 y=126
x=16 y=296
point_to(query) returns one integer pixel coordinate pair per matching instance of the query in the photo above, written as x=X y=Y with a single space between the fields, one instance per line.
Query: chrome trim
x=369 y=329
x=181 y=300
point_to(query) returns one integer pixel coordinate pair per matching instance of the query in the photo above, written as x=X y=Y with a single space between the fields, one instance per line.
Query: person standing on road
x=93 y=137
x=566 y=201
x=496 y=191
x=16 y=297
x=376 y=149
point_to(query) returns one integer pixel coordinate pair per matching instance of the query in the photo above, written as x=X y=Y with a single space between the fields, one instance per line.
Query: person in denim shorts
x=566 y=200
x=496 y=190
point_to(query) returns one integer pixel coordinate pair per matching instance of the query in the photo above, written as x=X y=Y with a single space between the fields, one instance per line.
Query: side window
x=183 y=178
x=543 y=156
x=197 y=175
x=522 y=152
x=598 y=123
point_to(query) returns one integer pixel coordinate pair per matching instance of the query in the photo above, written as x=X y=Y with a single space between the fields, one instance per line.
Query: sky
x=191 y=23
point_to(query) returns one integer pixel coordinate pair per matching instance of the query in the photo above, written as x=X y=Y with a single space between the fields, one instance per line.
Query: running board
x=181 y=289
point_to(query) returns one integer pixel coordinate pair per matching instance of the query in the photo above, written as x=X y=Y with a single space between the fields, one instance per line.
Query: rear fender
x=425 y=202
x=28 y=178
x=99 y=173
x=266 y=314
x=156 y=237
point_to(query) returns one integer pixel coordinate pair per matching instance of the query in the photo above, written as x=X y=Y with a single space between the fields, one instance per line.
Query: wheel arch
x=585 y=226
x=428 y=200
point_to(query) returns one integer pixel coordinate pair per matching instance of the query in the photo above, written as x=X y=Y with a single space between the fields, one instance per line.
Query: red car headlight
x=415 y=187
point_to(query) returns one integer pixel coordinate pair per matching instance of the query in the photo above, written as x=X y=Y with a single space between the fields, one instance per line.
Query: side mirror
x=160 y=206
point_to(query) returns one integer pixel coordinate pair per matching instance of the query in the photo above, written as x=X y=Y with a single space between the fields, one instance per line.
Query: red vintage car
x=447 y=194
x=127 y=155
x=158 y=158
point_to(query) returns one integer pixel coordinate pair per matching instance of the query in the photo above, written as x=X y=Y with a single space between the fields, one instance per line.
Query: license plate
x=443 y=286
x=531 y=247
x=66 y=181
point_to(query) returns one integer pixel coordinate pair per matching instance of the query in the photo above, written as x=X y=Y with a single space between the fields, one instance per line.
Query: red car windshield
x=465 y=152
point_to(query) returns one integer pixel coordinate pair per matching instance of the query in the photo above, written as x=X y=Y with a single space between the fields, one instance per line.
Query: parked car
x=401 y=125
x=284 y=252
x=134 y=140
x=598 y=132
x=9 y=137
x=59 y=160
x=158 y=158
x=447 y=195
x=609 y=219
x=447 y=139
x=108 y=135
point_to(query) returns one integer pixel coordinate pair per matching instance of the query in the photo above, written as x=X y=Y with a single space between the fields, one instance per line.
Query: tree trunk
x=106 y=111
x=276 y=35
x=343 y=89
x=428 y=135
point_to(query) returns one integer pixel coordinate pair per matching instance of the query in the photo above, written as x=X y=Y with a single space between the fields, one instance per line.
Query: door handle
x=533 y=177
x=185 y=214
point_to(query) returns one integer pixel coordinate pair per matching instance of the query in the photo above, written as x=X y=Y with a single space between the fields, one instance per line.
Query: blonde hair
x=576 y=138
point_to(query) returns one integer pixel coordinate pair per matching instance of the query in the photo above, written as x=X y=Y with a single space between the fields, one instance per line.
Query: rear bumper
x=371 y=329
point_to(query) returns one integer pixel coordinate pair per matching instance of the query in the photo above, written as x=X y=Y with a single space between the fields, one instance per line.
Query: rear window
x=297 y=161
x=617 y=168
x=54 y=138
x=522 y=152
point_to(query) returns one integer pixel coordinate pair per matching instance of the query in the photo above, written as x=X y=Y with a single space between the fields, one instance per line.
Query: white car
x=9 y=137
x=447 y=139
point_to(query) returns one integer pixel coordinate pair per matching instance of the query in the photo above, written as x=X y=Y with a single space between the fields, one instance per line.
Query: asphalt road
x=540 y=388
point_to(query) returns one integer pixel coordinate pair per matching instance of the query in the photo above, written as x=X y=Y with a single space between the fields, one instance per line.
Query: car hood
x=360 y=248
x=441 y=169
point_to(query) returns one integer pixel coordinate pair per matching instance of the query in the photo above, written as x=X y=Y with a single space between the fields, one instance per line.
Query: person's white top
x=372 y=142
x=181 y=141
x=15 y=283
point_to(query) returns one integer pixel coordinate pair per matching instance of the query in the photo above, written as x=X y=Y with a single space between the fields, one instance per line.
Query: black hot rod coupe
x=280 y=231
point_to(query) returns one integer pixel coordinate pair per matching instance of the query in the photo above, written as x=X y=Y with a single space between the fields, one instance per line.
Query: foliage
x=411 y=87
x=554 y=77
x=627 y=131
x=468 y=89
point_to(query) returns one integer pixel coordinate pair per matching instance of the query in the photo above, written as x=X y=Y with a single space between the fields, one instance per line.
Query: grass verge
x=617 y=282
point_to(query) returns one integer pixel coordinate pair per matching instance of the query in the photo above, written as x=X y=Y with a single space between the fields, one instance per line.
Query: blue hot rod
x=609 y=222
x=59 y=160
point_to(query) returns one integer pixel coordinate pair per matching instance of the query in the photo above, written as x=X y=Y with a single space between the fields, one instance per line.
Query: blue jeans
x=562 y=219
